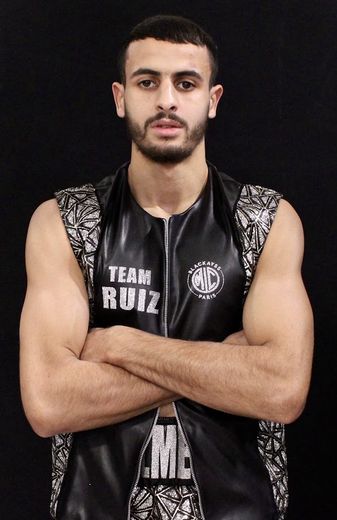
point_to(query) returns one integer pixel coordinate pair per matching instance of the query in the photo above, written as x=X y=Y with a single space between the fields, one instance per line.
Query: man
x=200 y=340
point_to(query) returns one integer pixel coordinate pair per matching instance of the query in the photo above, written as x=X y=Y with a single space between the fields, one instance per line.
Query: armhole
x=81 y=215
x=254 y=214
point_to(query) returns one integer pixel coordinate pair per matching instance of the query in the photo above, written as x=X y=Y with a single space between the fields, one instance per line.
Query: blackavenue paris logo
x=205 y=279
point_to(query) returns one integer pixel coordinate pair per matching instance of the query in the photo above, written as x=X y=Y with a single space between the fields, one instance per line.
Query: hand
x=107 y=345
x=237 y=338
x=94 y=346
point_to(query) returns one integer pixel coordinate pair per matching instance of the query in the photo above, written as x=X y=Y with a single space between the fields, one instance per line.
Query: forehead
x=166 y=57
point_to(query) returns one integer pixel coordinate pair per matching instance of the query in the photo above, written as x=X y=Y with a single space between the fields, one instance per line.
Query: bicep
x=277 y=311
x=54 y=320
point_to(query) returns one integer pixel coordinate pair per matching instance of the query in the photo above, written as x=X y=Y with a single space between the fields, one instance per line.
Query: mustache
x=163 y=115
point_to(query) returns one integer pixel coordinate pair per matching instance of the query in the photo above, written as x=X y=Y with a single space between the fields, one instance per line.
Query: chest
x=180 y=277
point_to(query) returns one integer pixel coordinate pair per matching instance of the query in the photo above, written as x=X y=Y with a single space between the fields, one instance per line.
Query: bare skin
x=74 y=380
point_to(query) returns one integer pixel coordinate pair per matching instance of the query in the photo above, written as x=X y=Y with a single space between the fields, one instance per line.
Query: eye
x=186 y=85
x=146 y=83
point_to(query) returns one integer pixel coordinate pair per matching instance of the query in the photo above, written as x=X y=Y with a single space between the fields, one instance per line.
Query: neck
x=166 y=189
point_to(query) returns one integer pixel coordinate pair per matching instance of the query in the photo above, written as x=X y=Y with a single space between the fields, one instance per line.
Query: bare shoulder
x=45 y=215
x=287 y=218
x=47 y=243
x=46 y=223
x=285 y=242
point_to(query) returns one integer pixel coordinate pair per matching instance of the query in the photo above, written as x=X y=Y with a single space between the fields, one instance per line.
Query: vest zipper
x=141 y=454
x=192 y=466
x=166 y=249
x=166 y=242
x=147 y=440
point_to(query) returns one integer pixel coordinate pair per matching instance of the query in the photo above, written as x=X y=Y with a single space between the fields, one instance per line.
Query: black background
x=276 y=126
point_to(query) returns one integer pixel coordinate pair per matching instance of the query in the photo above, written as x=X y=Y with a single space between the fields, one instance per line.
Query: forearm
x=233 y=378
x=81 y=395
x=194 y=369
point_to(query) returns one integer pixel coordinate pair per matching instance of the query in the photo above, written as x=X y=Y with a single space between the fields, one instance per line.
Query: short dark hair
x=175 y=29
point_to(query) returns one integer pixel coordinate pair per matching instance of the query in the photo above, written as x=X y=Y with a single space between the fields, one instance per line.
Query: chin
x=167 y=156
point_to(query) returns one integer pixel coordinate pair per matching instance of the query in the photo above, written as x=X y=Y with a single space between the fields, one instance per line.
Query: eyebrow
x=190 y=73
x=156 y=73
x=141 y=71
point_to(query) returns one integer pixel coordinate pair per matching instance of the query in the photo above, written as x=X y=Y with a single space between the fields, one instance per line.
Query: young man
x=200 y=330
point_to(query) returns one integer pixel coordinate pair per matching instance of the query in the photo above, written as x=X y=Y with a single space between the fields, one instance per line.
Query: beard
x=166 y=154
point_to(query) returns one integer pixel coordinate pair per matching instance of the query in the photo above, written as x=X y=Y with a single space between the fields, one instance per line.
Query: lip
x=163 y=131
x=166 y=128
x=166 y=123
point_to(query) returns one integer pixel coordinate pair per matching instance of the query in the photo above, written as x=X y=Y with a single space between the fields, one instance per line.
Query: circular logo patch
x=205 y=279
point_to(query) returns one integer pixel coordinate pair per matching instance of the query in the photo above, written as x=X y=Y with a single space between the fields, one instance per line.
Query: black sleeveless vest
x=186 y=278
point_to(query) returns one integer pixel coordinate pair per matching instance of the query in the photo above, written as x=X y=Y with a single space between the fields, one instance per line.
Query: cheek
x=199 y=111
x=195 y=103
x=138 y=108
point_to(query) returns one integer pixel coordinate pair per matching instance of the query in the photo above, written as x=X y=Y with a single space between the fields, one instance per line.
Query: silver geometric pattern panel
x=165 y=503
x=254 y=215
x=80 y=212
x=61 y=446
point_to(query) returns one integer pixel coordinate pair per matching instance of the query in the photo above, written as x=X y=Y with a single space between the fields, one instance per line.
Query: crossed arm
x=72 y=380
x=60 y=392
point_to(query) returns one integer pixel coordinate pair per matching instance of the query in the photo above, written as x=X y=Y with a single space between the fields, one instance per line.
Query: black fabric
x=182 y=278
x=133 y=238
x=101 y=471
x=233 y=482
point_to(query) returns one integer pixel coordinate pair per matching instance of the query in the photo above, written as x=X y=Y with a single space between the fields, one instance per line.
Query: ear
x=118 y=94
x=215 y=95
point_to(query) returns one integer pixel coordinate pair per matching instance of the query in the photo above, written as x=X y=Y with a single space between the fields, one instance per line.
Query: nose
x=166 y=100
